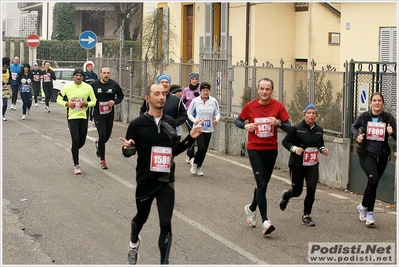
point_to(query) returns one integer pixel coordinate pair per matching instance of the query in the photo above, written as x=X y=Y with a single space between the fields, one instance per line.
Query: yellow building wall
x=322 y=21
x=361 y=41
x=272 y=33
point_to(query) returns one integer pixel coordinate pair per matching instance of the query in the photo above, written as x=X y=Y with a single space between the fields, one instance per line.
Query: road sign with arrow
x=88 y=39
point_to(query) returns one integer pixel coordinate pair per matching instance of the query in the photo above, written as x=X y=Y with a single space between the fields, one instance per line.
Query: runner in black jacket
x=154 y=136
x=372 y=130
x=108 y=94
x=305 y=141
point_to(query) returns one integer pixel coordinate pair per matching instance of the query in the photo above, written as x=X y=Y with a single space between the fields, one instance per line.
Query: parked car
x=63 y=77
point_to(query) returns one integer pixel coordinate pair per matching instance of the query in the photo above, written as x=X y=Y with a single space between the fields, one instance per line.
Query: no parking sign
x=363 y=96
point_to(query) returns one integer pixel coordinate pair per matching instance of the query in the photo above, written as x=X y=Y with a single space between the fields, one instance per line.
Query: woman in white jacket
x=203 y=108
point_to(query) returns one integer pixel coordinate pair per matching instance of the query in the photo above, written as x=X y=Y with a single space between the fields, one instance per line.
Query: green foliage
x=152 y=39
x=246 y=96
x=63 y=21
x=17 y=49
x=70 y=50
x=111 y=48
x=328 y=108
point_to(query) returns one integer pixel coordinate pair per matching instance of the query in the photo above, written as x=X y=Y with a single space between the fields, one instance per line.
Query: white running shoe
x=188 y=160
x=36 y=105
x=133 y=255
x=251 y=216
x=4 y=118
x=362 y=212
x=200 y=172
x=193 y=169
x=267 y=227
x=77 y=170
x=370 y=218
x=23 y=117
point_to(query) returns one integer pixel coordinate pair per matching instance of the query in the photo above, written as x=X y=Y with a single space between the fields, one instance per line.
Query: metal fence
x=235 y=85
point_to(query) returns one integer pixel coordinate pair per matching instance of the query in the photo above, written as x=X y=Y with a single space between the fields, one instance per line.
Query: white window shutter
x=208 y=26
x=224 y=26
x=388 y=42
x=388 y=53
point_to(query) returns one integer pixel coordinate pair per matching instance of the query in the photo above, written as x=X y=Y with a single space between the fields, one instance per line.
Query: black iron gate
x=365 y=79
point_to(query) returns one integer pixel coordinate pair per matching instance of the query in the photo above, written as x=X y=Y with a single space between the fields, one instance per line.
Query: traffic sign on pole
x=88 y=39
x=32 y=40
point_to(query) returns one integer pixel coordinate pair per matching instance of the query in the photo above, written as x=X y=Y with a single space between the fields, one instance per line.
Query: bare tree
x=127 y=13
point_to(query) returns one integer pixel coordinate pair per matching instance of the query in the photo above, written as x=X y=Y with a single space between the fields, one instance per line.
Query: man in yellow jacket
x=77 y=97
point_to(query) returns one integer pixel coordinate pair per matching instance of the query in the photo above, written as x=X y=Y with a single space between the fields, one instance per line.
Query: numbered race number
x=14 y=76
x=25 y=88
x=47 y=78
x=104 y=108
x=310 y=156
x=161 y=158
x=264 y=127
x=76 y=101
x=376 y=131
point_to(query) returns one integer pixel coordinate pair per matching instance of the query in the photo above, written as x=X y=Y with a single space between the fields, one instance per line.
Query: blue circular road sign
x=88 y=39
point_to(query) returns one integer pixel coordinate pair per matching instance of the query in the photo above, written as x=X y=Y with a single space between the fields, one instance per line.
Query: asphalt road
x=51 y=216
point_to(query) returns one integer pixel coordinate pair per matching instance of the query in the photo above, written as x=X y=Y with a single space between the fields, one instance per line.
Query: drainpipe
x=247 y=34
x=246 y=60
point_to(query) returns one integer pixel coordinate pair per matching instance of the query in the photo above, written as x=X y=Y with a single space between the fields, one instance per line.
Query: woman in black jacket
x=372 y=130
x=304 y=142
x=25 y=79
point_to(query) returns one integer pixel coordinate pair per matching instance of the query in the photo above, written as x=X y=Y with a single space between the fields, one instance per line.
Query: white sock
x=133 y=245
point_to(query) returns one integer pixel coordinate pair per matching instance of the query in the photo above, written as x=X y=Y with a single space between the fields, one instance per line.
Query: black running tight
x=165 y=195
x=373 y=167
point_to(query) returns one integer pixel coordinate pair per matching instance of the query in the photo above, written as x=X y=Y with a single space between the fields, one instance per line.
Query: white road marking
x=338 y=196
x=193 y=223
x=219 y=238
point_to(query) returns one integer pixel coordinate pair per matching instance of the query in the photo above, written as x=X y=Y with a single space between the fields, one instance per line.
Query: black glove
x=185 y=100
x=130 y=151
x=196 y=94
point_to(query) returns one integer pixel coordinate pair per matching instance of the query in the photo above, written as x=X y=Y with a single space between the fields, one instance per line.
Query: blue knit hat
x=309 y=106
x=163 y=76
x=193 y=75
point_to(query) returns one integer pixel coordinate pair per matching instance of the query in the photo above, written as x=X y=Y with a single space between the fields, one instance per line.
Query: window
x=388 y=44
x=333 y=38
x=301 y=6
x=93 y=21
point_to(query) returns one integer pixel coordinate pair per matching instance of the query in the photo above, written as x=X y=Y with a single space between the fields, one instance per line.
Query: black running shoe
x=306 y=220
x=283 y=202
x=97 y=152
